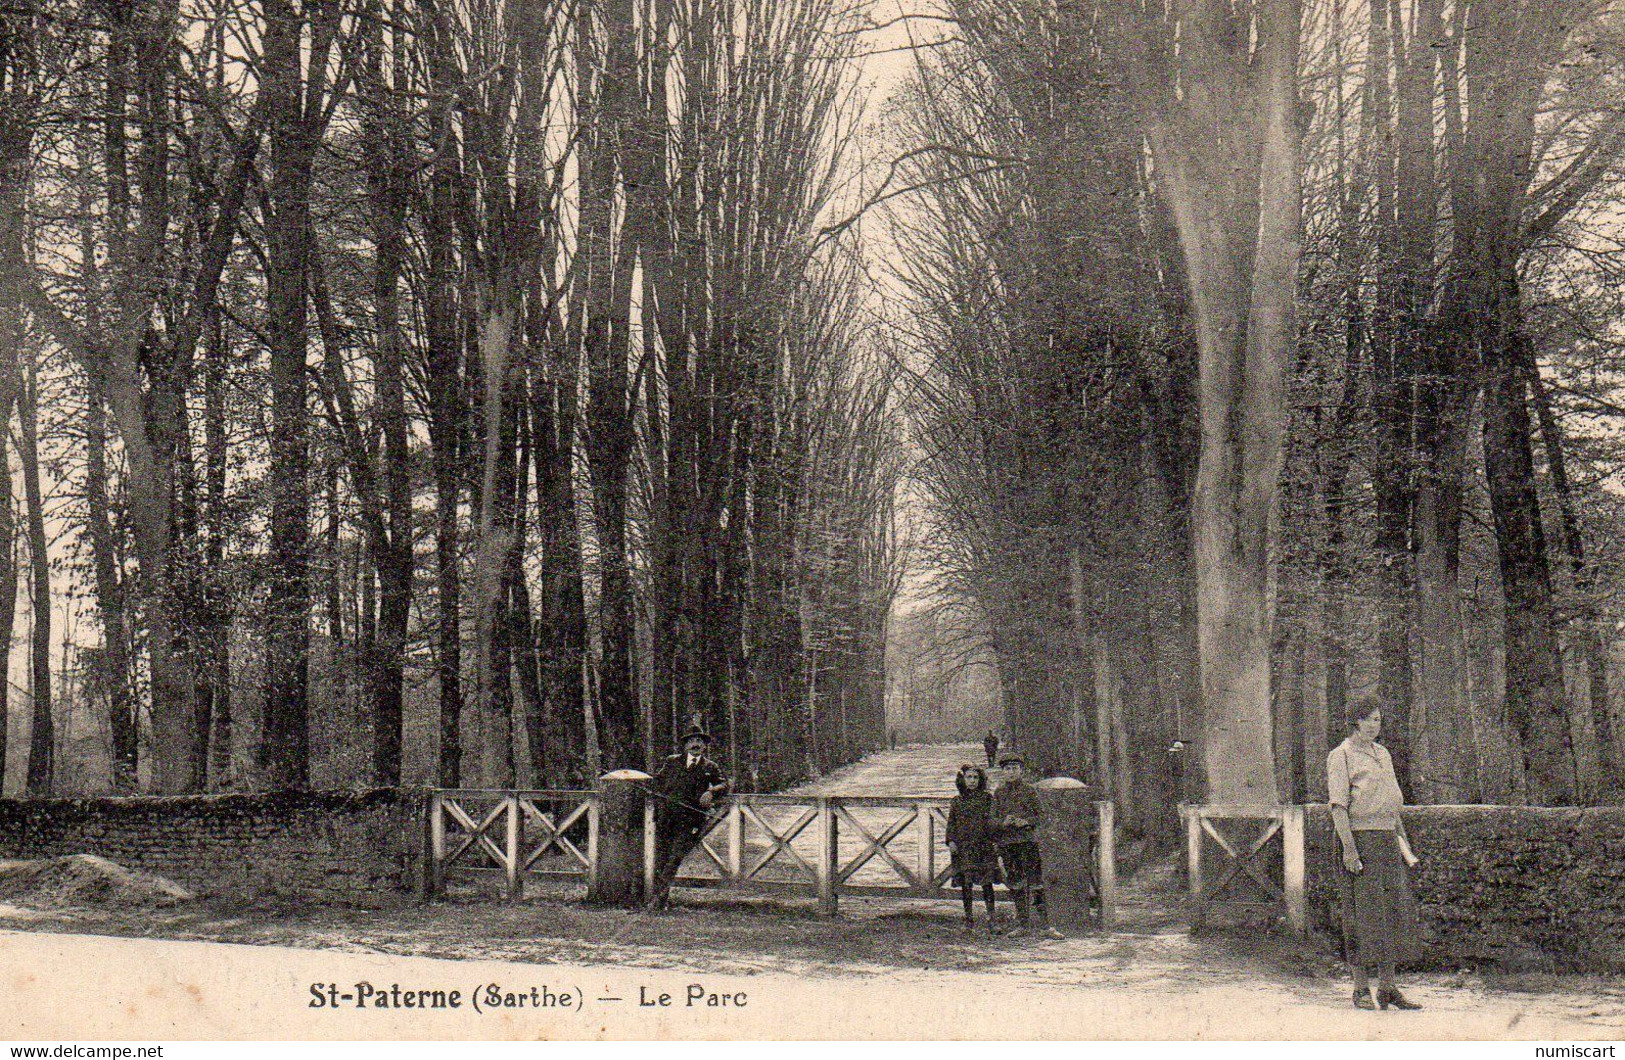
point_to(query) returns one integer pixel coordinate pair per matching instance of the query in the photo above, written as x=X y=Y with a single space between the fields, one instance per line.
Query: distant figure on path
x=971 y=842
x=1017 y=815
x=990 y=744
x=685 y=789
x=1379 y=912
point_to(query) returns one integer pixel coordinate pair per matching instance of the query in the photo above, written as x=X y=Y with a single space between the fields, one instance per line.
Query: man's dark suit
x=679 y=817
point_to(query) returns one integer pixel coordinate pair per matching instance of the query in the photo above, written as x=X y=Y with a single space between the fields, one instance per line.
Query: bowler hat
x=696 y=730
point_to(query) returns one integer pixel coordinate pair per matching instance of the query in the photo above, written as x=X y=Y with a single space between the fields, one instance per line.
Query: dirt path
x=913 y=769
x=147 y=989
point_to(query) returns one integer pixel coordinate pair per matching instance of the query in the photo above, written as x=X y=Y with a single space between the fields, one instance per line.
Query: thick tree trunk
x=1447 y=747
x=498 y=317
x=1241 y=239
x=1535 y=697
x=285 y=738
x=606 y=337
x=115 y=657
x=382 y=81
x=561 y=633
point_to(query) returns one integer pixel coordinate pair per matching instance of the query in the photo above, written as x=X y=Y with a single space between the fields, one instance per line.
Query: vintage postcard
x=812 y=519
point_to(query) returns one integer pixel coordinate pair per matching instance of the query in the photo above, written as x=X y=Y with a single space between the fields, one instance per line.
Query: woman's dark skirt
x=1380 y=923
x=976 y=863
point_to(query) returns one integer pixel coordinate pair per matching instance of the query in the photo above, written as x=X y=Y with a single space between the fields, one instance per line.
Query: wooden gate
x=831 y=845
x=513 y=834
x=825 y=845
x=1232 y=856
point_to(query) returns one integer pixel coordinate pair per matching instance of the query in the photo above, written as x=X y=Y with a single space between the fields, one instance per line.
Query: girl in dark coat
x=971 y=841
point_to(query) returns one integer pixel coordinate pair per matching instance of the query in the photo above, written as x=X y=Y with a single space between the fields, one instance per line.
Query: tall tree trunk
x=1588 y=626
x=285 y=741
x=42 y=739
x=1446 y=750
x=442 y=314
x=562 y=631
x=610 y=69
x=1535 y=697
x=219 y=608
x=498 y=317
x=1507 y=49
x=1241 y=239
x=8 y=547
x=115 y=657
x=382 y=81
x=1084 y=676
x=16 y=147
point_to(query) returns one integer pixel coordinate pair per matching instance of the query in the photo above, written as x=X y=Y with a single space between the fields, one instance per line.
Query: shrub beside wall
x=1514 y=886
x=355 y=848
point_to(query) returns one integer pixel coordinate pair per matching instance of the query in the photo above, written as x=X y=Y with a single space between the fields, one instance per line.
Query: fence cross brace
x=475 y=833
x=1240 y=863
x=877 y=845
x=781 y=841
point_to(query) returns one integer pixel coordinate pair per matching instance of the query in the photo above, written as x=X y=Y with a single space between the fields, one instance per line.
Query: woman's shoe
x=1397 y=1000
x=1362 y=999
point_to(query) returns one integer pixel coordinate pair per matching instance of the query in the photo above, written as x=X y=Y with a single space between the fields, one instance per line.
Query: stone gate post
x=618 y=879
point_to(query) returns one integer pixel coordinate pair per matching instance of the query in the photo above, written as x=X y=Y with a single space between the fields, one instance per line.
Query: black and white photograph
x=781 y=520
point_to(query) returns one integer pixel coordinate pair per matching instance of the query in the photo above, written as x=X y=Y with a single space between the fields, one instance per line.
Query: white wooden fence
x=826 y=845
x=1232 y=854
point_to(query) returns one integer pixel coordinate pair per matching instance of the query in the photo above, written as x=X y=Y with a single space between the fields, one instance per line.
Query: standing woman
x=970 y=840
x=1378 y=908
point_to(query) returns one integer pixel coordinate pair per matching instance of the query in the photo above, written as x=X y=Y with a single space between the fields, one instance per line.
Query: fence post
x=1106 y=863
x=1193 y=862
x=736 y=840
x=437 y=846
x=515 y=881
x=592 y=843
x=829 y=856
x=925 y=859
x=1292 y=868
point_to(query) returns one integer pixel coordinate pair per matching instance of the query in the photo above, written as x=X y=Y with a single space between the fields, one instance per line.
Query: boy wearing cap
x=686 y=787
x=1017 y=815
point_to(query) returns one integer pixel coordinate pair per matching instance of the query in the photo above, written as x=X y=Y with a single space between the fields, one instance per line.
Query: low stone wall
x=1511 y=886
x=352 y=848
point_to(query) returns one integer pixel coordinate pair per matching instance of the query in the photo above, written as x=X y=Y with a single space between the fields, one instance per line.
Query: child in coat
x=971 y=841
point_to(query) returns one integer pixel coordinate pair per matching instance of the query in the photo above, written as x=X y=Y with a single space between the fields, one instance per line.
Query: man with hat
x=686 y=787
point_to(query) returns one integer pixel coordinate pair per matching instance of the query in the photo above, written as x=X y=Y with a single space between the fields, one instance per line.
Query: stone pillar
x=619 y=878
x=1069 y=820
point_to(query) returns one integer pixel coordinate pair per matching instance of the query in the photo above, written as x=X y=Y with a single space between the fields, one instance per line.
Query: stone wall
x=1511 y=886
x=354 y=848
